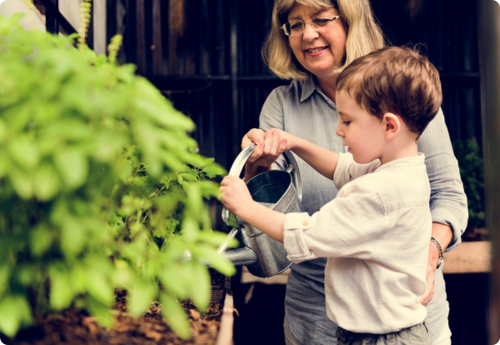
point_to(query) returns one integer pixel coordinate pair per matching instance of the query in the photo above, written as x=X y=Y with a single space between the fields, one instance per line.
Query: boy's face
x=361 y=131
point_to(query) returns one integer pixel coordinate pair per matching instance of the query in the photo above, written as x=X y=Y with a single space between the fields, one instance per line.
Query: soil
x=76 y=327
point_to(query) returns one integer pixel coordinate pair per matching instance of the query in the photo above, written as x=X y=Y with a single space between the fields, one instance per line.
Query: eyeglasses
x=298 y=27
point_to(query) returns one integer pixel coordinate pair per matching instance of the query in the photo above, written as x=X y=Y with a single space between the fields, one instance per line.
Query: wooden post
x=489 y=54
x=99 y=16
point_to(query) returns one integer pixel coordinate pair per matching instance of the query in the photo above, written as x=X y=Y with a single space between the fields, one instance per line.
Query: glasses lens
x=296 y=28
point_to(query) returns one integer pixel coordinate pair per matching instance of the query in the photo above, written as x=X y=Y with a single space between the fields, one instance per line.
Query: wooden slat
x=225 y=336
x=469 y=257
x=157 y=42
x=140 y=30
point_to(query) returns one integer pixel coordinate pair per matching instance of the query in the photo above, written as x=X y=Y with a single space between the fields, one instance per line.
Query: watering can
x=280 y=190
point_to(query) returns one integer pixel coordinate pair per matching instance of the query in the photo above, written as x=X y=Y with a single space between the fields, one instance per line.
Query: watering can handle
x=237 y=168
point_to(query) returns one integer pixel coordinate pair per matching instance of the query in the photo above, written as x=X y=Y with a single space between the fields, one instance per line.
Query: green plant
x=471 y=170
x=100 y=188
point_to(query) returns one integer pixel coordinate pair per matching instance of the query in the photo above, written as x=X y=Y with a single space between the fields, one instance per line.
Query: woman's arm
x=448 y=201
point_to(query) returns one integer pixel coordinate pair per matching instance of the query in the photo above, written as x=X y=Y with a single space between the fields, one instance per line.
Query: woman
x=310 y=42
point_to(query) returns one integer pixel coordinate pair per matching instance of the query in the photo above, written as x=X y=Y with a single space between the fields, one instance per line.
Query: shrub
x=471 y=170
x=100 y=188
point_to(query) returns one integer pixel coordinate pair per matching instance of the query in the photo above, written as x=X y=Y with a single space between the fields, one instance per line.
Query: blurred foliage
x=471 y=170
x=100 y=188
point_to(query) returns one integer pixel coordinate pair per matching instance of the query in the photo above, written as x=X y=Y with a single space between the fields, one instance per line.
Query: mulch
x=76 y=327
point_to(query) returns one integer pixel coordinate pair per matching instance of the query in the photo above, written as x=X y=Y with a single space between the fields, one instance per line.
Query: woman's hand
x=234 y=194
x=269 y=148
x=429 y=293
x=444 y=234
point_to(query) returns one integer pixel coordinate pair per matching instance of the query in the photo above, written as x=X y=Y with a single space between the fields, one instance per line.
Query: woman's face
x=319 y=50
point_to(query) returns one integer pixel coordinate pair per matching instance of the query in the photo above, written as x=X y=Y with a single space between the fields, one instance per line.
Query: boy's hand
x=235 y=195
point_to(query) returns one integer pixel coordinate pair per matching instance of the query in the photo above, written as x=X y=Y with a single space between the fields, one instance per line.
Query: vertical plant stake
x=101 y=187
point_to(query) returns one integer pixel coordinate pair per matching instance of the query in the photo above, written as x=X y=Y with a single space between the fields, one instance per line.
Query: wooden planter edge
x=225 y=334
x=469 y=257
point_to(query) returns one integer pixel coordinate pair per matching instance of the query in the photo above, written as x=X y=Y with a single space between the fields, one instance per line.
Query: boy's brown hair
x=394 y=80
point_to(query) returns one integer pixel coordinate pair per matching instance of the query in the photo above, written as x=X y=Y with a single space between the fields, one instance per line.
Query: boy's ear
x=392 y=124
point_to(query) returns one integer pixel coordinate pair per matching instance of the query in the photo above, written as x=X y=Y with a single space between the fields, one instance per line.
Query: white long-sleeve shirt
x=375 y=235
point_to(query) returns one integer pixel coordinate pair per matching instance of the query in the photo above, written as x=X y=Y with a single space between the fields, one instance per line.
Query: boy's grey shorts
x=415 y=335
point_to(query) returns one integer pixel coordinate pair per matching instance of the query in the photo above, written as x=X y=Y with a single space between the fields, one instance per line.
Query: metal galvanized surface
x=280 y=190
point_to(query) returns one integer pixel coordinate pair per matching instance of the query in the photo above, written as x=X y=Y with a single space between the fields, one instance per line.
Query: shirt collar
x=308 y=87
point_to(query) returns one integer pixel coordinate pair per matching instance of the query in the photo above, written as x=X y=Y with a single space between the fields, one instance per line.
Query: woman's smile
x=316 y=51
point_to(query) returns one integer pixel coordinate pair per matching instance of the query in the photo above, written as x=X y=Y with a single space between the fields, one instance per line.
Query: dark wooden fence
x=205 y=56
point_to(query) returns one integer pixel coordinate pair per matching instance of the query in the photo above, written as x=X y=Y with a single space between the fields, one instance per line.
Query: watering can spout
x=242 y=256
x=239 y=256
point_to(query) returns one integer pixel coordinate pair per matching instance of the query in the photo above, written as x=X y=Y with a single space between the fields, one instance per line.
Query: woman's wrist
x=253 y=169
x=442 y=234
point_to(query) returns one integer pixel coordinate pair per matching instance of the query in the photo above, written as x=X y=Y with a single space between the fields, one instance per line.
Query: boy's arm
x=237 y=199
x=322 y=160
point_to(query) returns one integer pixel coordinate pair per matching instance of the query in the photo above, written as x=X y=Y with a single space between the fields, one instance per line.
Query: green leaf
x=73 y=236
x=190 y=229
x=201 y=291
x=216 y=238
x=25 y=153
x=60 y=288
x=213 y=170
x=171 y=117
x=141 y=296
x=73 y=167
x=208 y=189
x=40 y=240
x=107 y=146
x=100 y=311
x=173 y=276
x=4 y=165
x=4 y=130
x=14 y=312
x=22 y=182
x=189 y=176
x=26 y=274
x=78 y=278
x=122 y=275
x=99 y=288
x=175 y=316
x=46 y=182
x=218 y=261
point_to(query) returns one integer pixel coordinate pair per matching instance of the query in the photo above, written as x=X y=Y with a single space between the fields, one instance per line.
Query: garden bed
x=78 y=328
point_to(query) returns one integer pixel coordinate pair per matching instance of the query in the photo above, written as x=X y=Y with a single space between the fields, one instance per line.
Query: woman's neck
x=327 y=85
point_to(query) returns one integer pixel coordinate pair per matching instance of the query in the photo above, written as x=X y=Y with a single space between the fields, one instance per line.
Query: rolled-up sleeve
x=448 y=201
x=293 y=240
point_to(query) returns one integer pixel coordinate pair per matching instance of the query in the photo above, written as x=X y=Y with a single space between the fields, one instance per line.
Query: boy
x=376 y=232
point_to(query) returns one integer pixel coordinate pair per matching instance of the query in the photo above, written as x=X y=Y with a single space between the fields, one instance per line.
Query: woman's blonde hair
x=363 y=35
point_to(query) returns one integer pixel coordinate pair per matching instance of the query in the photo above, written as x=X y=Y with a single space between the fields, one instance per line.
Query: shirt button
x=305 y=223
